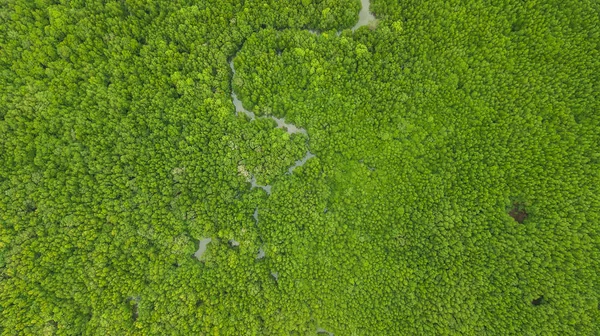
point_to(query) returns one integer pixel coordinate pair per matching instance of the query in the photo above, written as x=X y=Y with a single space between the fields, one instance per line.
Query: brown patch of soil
x=518 y=213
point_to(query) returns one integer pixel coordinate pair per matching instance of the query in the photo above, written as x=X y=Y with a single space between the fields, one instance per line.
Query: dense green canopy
x=455 y=188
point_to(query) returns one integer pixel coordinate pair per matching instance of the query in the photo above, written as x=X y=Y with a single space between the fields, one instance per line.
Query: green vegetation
x=455 y=188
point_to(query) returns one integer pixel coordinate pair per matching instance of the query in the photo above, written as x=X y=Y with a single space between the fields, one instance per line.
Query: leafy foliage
x=433 y=131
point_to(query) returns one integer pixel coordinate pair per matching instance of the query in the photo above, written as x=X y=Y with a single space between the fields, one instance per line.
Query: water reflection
x=266 y=188
x=290 y=128
x=301 y=162
x=364 y=16
x=202 y=247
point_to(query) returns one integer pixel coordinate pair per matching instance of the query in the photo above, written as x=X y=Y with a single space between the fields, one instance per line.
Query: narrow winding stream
x=364 y=18
x=289 y=128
